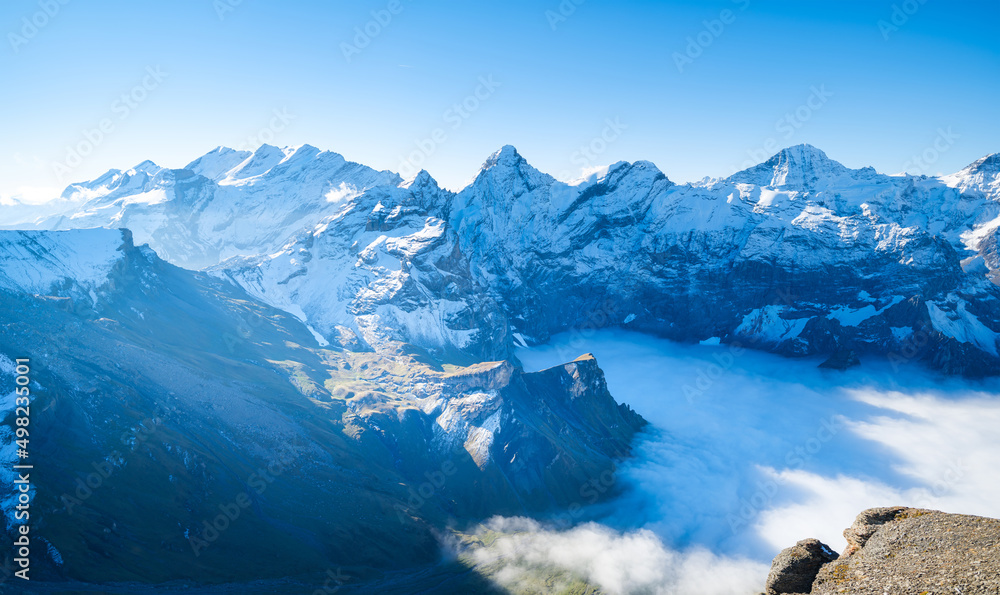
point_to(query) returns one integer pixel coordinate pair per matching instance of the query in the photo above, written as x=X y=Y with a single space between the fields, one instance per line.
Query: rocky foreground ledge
x=896 y=551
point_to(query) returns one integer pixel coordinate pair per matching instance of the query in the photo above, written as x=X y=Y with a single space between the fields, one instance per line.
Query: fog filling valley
x=749 y=452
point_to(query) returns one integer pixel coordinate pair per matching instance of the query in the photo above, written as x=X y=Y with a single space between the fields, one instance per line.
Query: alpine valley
x=322 y=355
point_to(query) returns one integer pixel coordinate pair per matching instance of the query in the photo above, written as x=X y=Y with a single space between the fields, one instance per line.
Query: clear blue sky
x=560 y=81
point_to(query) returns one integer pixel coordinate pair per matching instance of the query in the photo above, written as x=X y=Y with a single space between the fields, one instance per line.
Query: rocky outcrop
x=901 y=551
x=842 y=359
x=520 y=443
x=795 y=568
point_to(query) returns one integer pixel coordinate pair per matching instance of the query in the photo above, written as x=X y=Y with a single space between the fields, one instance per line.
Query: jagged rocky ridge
x=163 y=396
x=799 y=255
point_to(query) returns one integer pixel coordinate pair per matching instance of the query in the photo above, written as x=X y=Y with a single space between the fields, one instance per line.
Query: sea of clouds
x=748 y=453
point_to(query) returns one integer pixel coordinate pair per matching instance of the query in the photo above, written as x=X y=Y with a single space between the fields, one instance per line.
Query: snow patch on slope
x=956 y=322
x=32 y=261
x=766 y=324
x=480 y=440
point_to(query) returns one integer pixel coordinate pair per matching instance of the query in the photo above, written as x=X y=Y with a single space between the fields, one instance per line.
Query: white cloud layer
x=749 y=453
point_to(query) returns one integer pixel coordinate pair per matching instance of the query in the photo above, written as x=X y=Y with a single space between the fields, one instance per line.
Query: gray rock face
x=908 y=551
x=795 y=568
x=385 y=268
x=867 y=523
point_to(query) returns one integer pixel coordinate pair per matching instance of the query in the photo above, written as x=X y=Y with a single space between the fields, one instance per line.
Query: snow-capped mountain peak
x=506 y=156
x=106 y=180
x=801 y=166
x=803 y=152
x=641 y=169
x=984 y=172
x=982 y=175
x=989 y=164
x=146 y=167
x=116 y=184
x=425 y=187
x=423 y=179
x=258 y=163
x=217 y=163
x=506 y=172
x=226 y=203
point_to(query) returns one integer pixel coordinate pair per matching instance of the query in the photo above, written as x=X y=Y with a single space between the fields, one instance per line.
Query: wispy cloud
x=619 y=563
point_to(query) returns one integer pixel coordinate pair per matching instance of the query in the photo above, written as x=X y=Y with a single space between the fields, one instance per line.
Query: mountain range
x=324 y=354
x=799 y=255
